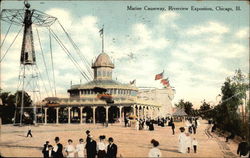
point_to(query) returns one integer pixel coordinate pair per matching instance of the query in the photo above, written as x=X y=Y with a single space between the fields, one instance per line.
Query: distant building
x=163 y=97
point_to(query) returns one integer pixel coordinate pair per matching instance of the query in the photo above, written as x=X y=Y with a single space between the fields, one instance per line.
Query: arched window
x=104 y=73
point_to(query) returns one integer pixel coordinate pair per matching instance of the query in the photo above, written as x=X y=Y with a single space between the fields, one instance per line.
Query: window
x=99 y=73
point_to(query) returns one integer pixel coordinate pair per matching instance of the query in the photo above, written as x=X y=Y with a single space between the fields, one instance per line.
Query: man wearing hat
x=112 y=148
x=91 y=148
x=45 y=148
x=58 y=149
x=88 y=135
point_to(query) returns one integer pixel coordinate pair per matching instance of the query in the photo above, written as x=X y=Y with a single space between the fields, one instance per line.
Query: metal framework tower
x=28 y=77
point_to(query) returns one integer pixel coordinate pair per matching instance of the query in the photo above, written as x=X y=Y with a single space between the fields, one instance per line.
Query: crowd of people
x=106 y=148
x=90 y=148
x=148 y=123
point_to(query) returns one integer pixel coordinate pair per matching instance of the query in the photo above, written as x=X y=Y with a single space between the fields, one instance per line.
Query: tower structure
x=28 y=67
x=28 y=74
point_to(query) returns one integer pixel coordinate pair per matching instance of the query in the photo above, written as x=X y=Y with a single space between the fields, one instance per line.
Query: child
x=194 y=143
x=188 y=142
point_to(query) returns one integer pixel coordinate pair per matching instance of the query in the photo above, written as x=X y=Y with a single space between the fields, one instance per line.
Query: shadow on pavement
x=170 y=150
x=22 y=146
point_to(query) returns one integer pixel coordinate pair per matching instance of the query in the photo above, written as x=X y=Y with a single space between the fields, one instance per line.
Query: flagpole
x=103 y=39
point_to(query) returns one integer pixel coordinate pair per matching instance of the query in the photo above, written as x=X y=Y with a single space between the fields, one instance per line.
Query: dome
x=103 y=60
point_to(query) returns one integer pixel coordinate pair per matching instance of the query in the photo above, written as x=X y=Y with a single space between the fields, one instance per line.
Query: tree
x=226 y=114
x=205 y=110
x=27 y=102
x=12 y=104
x=7 y=110
x=187 y=106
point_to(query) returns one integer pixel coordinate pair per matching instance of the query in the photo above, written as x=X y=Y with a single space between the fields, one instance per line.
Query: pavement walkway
x=131 y=143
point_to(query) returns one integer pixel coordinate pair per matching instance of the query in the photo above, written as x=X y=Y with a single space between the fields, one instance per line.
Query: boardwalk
x=131 y=143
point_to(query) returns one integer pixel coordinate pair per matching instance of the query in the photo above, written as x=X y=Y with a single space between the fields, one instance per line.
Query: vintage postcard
x=111 y=79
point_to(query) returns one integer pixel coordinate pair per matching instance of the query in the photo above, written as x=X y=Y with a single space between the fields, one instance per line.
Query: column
x=158 y=113
x=45 y=115
x=35 y=116
x=138 y=111
x=93 y=108
x=69 y=117
x=151 y=112
x=143 y=112
x=107 y=113
x=81 y=114
x=57 y=116
x=120 y=113
x=134 y=110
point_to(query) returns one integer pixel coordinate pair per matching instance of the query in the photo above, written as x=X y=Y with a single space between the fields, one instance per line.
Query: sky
x=196 y=50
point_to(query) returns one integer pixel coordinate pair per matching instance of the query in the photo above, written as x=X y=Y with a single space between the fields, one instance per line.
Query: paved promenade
x=131 y=143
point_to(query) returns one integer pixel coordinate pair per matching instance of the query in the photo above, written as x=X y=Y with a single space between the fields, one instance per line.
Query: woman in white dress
x=101 y=147
x=154 y=152
x=70 y=149
x=182 y=141
x=80 y=148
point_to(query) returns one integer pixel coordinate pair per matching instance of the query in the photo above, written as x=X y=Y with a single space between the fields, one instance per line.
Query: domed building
x=84 y=106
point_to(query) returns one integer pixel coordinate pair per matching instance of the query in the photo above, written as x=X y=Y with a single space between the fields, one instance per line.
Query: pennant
x=159 y=76
x=101 y=32
x=132 y=82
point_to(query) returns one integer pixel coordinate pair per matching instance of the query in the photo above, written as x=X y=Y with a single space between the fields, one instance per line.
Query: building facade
x=162 y=97
x=84 y=106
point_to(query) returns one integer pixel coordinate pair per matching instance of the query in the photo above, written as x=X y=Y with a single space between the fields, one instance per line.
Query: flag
x=101 y=32
x=132 y=82
x=165 y=82
x=159 y=76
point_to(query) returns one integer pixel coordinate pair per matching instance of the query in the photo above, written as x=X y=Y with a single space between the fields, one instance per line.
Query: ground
x=131 y=143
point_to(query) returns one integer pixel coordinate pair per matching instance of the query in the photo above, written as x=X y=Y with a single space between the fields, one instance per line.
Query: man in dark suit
x=243 y=148
x=91 y=148
x=45 y=148
x=58 y=152
x=49 y=153
x=112 y=149
x=173 y=127
x=88 y=136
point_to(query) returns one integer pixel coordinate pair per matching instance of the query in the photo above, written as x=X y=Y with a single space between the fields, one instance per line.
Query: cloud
x=211 y=27
x=63 y=15
x=242 y=33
